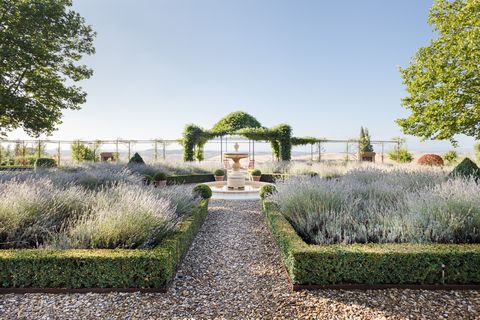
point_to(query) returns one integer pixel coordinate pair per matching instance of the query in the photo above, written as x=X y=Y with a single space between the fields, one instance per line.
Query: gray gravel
x=233 y=270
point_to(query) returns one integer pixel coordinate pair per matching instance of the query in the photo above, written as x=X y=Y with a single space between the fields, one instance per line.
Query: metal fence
x=25 y=152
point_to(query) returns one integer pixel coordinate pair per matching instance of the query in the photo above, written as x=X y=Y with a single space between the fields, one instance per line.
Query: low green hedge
x=119 y=268
x=272 y=177
x=372 y=263
x=16 y=168
x=190 y=178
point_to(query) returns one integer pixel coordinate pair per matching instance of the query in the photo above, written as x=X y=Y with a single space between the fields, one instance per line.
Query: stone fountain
x=236 y=187
x=236 y=178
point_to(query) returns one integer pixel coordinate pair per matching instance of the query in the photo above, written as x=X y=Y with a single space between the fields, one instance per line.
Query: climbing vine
x=241 y=123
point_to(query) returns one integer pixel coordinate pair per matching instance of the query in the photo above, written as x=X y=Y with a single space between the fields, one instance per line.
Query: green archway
x=237 y=123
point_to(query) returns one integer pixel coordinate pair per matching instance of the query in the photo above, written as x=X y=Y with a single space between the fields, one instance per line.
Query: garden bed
x=85 y=270
x=373 y=266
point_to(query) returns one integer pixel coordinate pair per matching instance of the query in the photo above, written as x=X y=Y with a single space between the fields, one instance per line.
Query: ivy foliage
x=305 y=141
x=237 y=123
x=443 y=78
x=234 y=122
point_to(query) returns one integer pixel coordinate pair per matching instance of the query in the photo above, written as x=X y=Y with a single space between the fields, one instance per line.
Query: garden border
x=190 y=178
x=372 y=266
x=81 y=271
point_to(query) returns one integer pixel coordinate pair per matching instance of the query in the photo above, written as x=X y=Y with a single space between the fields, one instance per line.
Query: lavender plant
x=375 y=204
x=55 y=210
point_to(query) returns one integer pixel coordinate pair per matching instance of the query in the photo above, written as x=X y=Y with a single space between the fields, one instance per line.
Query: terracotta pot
x=256 y=178
x=219 y=178
x=367 y=156
x=160 y=184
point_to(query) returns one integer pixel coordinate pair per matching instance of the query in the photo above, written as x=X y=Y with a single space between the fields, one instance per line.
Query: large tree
x=443 y=79
x=41 y=44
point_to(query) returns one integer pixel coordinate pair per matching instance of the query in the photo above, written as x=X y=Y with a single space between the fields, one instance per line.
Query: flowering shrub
x=382 y=205
x=93 y=206
x=430 y=160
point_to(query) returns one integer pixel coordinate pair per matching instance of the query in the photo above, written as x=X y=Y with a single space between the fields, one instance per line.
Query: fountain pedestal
x=236 y=178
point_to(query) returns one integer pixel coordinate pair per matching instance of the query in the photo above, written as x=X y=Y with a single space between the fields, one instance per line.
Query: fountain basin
x=251 y=190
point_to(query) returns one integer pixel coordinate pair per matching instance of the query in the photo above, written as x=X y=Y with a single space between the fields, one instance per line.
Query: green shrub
x=45 y=163
x=136 y=159
x=267 y=190
x=203 y=191
x=451 y=157
x=219 y=172
x=272 y=177
x=256 y=173
x=365 y=143
x=467 y=168
x=84 y=152
x=401 y=155
x=159 y=176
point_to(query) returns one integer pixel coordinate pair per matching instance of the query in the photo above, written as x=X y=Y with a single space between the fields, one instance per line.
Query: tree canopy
x=443 y=79
x=235 y=121
x=41 y=44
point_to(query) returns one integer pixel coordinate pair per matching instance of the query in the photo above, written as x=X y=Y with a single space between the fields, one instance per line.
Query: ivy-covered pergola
x=242 y=124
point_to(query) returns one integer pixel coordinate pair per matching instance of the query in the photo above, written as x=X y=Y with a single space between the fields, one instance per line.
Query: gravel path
x=233 y=270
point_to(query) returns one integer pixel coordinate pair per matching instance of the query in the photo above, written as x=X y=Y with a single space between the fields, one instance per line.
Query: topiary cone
x=467 y=168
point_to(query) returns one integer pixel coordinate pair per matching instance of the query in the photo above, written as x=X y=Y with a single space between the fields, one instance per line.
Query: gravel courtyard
x=233 y=270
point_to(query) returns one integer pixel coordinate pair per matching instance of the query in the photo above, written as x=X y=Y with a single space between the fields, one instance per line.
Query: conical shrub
x=467 y=168
x=136 y=159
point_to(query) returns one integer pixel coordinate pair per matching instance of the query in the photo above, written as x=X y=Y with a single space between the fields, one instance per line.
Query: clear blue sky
x=324 y=67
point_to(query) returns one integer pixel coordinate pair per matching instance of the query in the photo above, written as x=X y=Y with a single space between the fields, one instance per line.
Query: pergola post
x=116 y=151
x=94 y=152
x=359 y=155
x=319 y=151
x=383 y=145
x=221 y=149
x=39 y=149
x=24 y=149
x=164 y=150
x=58 y=153
x=398 y=150
x=155 y=153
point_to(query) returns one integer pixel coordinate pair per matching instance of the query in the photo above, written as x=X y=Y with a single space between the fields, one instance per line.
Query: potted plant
x=256 y=175
x=160 y=180
x=365 y=150
x=219 y=175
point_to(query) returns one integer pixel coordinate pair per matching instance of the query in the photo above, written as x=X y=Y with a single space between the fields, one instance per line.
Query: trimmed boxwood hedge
x=16 y=168
x=372 y=264
x=272 y=177
x=119 y=268
x=190 y=178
